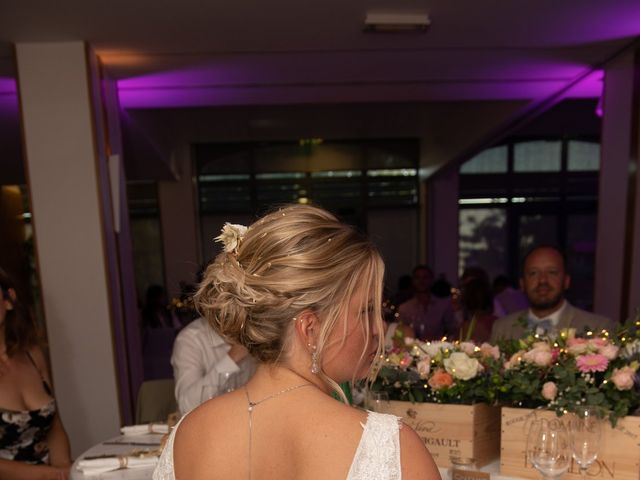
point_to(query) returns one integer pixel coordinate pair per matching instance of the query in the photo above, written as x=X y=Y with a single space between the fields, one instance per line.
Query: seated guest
x=430 y=317
x=509 y=299
x=303 y=293
x=199 y=356
x=476 y=272
x=33 y=442
x=477 y=310
x=544 y=281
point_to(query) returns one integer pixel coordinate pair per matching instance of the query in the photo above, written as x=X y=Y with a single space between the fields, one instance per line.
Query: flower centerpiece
x=440 y=372
x=564 y=371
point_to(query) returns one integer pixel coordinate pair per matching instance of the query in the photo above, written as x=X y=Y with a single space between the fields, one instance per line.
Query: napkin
x=102 y=465
x=146 y=428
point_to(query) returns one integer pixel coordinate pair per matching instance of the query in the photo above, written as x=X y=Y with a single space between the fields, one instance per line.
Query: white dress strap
x=378 y=453
x=164 y=468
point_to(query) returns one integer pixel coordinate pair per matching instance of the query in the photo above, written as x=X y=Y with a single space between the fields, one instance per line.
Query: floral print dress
x=23 y=434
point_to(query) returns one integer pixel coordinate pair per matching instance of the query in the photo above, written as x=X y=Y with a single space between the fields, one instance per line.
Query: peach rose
x=515 y=359
x=440 y=379
x=549 y=391
x=623 y=378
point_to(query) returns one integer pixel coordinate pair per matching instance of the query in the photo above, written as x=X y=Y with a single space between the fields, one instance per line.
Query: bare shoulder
x=211 y=428
x=417 y=462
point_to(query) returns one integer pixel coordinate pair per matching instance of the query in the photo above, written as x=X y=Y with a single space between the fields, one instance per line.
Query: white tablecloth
x=493 y=468
x=145 y=473
x=124 y=447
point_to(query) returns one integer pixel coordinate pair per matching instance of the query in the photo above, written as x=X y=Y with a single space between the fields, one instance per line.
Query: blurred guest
x=159 y=328
x=544 y=281
x=430 y=317
x=510 y=299
x=482 y=275
x=201 y=358
x=33 y=442
x=477 y=310
x=156 y=312
x=395 y=330
x=404 y=292
x=441 y=288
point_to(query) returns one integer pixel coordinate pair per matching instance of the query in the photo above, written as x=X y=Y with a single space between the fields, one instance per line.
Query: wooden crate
x=471 y=431
x=619 y=456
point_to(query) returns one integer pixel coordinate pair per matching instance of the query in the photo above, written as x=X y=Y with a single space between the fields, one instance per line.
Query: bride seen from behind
x=302 y=292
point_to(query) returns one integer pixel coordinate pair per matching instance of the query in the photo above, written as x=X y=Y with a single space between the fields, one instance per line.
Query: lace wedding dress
x=377 y=456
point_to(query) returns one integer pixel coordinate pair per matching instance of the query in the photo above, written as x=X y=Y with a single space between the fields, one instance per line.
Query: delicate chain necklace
x=252 y=405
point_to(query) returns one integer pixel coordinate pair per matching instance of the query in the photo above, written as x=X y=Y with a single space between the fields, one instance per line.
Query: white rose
x=433 y=348
x=461 y=366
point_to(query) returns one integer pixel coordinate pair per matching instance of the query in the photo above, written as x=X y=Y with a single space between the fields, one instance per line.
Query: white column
x=442 y=223
x=66 y=184
x=617 y=263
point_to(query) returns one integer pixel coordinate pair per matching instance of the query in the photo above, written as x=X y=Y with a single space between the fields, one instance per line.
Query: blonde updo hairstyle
x=294 y=259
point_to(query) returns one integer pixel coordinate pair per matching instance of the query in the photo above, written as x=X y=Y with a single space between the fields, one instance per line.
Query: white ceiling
x=507 y=60
x=207 y=53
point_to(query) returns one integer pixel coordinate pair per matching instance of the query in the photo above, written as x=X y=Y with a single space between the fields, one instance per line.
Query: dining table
x=116 y=446
x=128 y=444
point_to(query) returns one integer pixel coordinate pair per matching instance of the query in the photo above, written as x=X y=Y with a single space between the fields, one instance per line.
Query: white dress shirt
x=199 y=356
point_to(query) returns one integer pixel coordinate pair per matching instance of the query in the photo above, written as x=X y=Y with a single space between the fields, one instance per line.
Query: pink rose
x=577 y=346
x=549 y=391
x=539 y=357
x=623 y=378
x=440 y=379
x=424 y=367
x=406 y=360
x=592 y=362
x=609 y=351
x=541 y=346
x=468 y=347
x=598 y=342
x=487 y=350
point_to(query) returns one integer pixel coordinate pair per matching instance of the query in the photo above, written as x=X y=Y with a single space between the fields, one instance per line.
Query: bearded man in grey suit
x=544 y=281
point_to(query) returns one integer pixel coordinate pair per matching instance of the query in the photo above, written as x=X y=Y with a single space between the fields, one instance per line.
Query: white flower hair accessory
x=231 y=236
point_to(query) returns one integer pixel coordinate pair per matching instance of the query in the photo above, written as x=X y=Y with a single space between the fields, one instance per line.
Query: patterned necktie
x=541 y=327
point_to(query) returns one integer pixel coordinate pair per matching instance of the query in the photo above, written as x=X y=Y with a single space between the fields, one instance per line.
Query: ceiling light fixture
x=396 y=22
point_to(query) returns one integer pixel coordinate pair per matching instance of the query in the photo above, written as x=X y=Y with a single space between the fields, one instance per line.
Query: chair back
x=156 y=400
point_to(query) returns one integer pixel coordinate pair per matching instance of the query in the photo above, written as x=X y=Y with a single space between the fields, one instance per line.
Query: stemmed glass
x=379 y=401
x=584 y=433
x=548 y=447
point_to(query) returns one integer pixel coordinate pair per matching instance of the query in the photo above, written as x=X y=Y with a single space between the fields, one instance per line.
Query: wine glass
x=379 y=401
x=548 y=447
x=584 y=434
x=227 y=382
x=208 y=392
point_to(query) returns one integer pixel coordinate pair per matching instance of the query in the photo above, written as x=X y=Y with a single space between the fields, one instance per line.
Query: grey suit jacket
x=510 y=326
